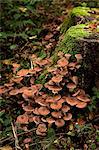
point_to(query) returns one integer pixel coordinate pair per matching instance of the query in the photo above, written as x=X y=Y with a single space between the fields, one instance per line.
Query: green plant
x=19 y=21
x=95 y=97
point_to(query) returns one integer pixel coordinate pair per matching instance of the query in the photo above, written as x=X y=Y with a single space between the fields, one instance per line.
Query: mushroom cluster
x=50 y=103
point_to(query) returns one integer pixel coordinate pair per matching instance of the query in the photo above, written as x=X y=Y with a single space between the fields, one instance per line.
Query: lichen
x=80 y=11
x=73 y=34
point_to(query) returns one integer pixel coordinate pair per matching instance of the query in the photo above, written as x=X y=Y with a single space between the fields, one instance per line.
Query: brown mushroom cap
x=16 y=79
x=67 y=116
x=22 y=72
x=27 y=140
x=50 y=120
x=30 y=91
x=81 y=104
x=62 y=62
x=55 y=89
x=83 y=98
x=71 y=86
x=42 y=127
x=57 y=79
x=50 y=82
x=36 y=119
x=48 y=36
x=76 y=93
x=41 y=101
x=71 y=101
x=22 y=119
x=2 y=89
x=50 y=99
x=51 y=69
x=43 y=111
x=78 y=57
x=74 y=79
x=65 y=108
x=72 y=65
x=59 y=122
x=42 y=62
x=56 y=105
x=56 y=114
x=35 y=111
x=40 y=133
x=8 y=84
x=57 y=97
x=67 y=56
x=61 y=101
x=27 y=108
x=15 y=65
x=37 y=69
x=14 y=92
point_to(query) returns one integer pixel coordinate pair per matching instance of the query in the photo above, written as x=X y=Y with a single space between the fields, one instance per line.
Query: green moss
x=73 y=34
x=80 y=11
x=70 y=18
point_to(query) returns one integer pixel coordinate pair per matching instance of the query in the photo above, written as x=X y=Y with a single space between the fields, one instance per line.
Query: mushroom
x=71 y=86
x=78 y=57
x=22 y=72
x=50 y=120
x=67 y=116
x=74 y=79
x=42 y=62
x=2 y=89
x=42 y=127
x=59 y=123
x=72 y=65
x=35 y=111
x=81 y=104
x=57 y=79
x=48 y=36
x=15 y=65
x=51 y=69
x=50 y=82
x=56 y=105
x=76 y=93
x=65 y=108
x=71 y=101
x=57 y=97
x=62 y=62
x=36 y=119
x=27 y=108
x=37 y=69
x=49 y=99
x=83 y=98
x=8 y=84
x=22 y=119
x=16 y=79
x=67 y=56
x=40 y=133
x=14 y=92
x=56 y=114
x=43 y=111
x=41 y=101
x=28 y=92
x=54 y=88
x=27 y=140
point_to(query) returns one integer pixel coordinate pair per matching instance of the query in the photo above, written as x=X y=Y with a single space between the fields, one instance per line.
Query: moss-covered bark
x=69 y=43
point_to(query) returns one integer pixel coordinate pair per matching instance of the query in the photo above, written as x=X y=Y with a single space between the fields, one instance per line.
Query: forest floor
x=81 y=133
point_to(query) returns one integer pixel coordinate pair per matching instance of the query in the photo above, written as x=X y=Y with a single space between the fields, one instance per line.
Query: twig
x=31 y=64
x=11 y=137
x=16 y=138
